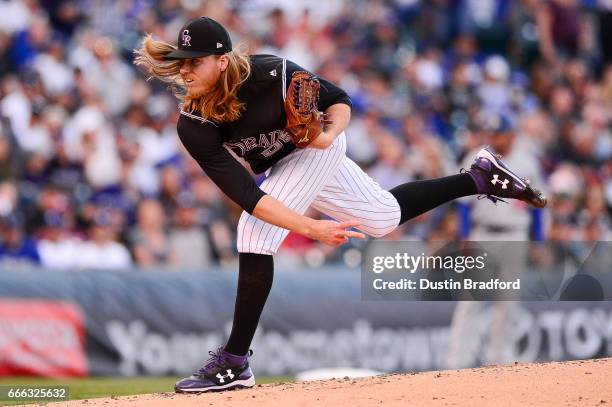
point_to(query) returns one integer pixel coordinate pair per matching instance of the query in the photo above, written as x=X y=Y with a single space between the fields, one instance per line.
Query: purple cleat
x=223 y=371
x=494 y=180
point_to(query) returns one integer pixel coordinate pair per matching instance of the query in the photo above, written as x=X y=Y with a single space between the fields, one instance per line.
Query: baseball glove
x=304 y=121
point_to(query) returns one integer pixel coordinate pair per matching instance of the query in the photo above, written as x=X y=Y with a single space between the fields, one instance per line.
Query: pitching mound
x=548 y=384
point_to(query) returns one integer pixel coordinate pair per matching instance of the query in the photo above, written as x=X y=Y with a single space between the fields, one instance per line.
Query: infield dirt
x=575 y=383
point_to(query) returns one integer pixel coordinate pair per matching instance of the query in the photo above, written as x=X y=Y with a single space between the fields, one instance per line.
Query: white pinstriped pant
x=328 y=181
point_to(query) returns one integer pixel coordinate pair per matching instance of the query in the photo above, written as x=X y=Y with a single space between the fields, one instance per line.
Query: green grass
x=92 y=387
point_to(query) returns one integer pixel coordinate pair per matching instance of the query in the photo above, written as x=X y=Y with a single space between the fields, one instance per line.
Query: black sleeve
x=329 y=94
x=204 y=143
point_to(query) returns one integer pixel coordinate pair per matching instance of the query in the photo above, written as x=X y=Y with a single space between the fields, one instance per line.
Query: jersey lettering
x=270 y=143
x=279 y=138
x=272 y=149
x=250 y=143
x=263 y=141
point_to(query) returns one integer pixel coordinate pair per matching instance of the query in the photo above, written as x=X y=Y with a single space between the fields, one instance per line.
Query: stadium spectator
x=59 y=247
x=187 y=239
x=16 y=249
x=149 y=238
x=604 y=14
x=561 y=30
x=103 y=250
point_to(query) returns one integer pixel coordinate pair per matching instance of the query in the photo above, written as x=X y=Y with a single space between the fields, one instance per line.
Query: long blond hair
x=221 y=104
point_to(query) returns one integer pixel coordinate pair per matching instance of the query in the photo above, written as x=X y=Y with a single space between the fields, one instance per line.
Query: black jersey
x=257 y=135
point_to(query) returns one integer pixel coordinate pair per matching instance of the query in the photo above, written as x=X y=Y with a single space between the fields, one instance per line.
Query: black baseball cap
x=201 y=37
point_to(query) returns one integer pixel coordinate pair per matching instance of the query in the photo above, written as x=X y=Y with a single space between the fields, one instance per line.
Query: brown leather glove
x=304 y=121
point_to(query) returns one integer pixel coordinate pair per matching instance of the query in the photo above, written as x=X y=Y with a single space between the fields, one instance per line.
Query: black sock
x=254 y=283
x=418 y=197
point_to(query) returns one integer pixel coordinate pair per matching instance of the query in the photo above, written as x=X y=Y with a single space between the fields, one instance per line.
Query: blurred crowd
x=92 y=174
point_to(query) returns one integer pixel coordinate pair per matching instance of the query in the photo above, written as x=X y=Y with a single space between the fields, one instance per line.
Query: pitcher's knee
x=388 y=222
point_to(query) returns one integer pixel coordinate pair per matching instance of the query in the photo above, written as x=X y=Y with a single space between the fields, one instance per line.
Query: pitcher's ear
x=223 y=62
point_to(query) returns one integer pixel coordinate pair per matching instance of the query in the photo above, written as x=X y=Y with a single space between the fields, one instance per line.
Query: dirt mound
x=547 y=384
